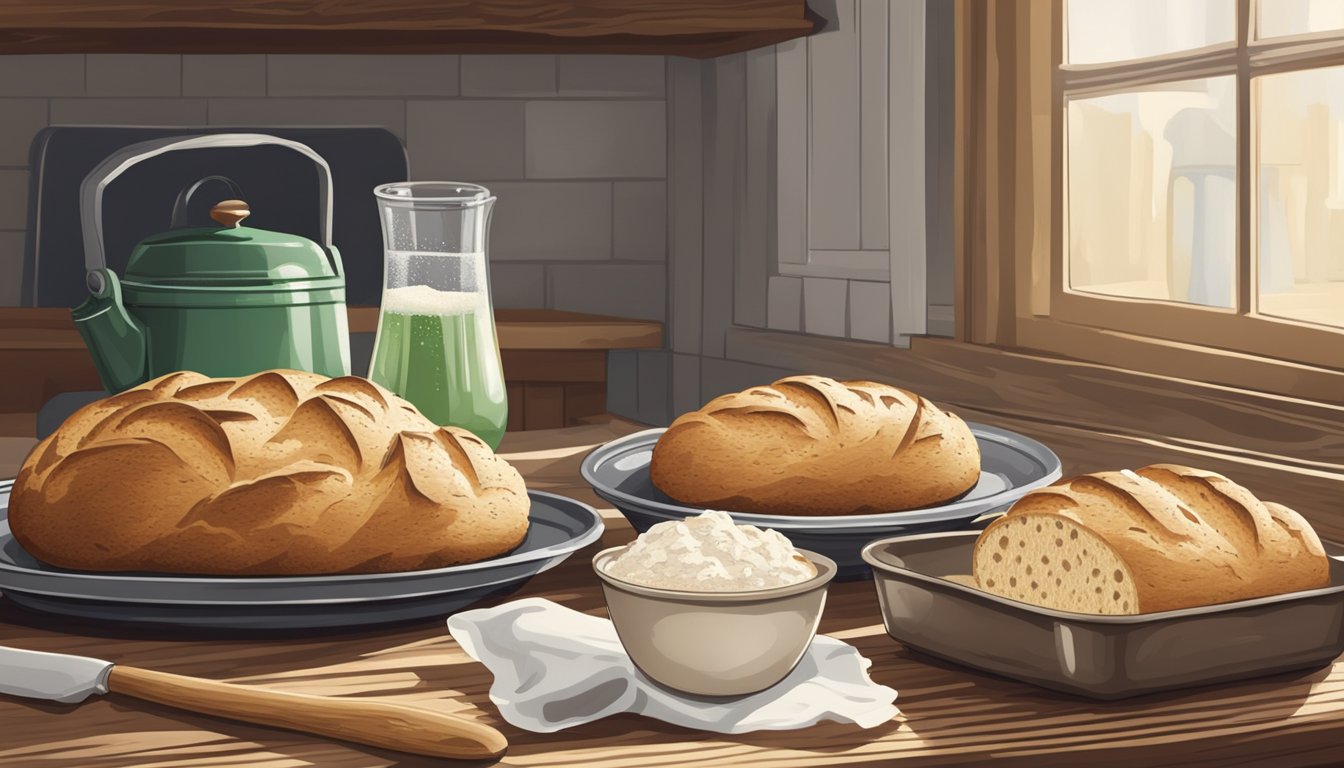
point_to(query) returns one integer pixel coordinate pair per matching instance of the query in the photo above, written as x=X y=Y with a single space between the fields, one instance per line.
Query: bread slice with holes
x=1162 y=538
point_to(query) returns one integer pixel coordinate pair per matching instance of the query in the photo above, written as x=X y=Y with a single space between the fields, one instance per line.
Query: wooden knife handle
x=379 y=724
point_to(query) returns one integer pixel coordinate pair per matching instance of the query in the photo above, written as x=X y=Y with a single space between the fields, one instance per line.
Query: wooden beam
x=697 y=28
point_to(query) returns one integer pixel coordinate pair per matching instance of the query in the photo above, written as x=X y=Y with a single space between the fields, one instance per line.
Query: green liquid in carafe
x=437 y=349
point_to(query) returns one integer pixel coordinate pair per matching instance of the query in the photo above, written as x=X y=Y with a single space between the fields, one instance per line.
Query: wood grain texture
x=951 y=716
x=555 y=365
x=987 y=212
x=1022 y=384
x=48 y=328
x=517 y=406
x=46 y=356
x=402 y=728
x=1010 y=226
x=555 y=329
x=584 y=400
x=516 y=328
x=700 y=28
x=1315 y=494
x=1285 y=450
x=544 y=406
x=1173 y=358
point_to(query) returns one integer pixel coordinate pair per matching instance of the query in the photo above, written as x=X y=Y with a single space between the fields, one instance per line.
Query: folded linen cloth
x=555 y=668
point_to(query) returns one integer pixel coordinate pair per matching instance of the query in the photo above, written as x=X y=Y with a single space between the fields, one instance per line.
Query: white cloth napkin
x=555 y=668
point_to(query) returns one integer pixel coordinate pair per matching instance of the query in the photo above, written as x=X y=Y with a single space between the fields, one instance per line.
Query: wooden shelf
x=50 y=328
x=555 y=363
x=549 y=329
x=696 y=28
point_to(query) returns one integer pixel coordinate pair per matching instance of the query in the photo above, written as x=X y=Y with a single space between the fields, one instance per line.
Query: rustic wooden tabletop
x=950 y=715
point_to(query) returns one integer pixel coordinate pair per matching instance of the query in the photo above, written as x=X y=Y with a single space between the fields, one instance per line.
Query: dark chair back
x=279 y=184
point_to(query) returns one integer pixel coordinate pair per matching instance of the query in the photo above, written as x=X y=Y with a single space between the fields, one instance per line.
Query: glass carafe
x=436 y=342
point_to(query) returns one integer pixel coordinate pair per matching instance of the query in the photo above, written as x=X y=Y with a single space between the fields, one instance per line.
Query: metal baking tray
x=922 y=585
x=558 y=527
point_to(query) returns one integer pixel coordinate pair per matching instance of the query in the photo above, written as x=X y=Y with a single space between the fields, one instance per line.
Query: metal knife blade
x=52 y=676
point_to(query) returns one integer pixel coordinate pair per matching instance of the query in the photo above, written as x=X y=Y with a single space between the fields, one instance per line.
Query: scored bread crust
x=1163 y=538
x=810 y=445
x=279 y=473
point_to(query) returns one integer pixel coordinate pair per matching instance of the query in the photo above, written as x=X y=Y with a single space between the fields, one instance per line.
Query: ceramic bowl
x=716 y=643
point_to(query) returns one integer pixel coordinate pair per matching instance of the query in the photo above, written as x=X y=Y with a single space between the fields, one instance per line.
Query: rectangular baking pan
x=1103 y=657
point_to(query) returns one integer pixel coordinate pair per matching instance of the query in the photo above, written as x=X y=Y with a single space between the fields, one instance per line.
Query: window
x=1198 y=173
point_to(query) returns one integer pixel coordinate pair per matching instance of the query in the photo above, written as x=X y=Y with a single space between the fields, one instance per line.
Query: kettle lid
x=230 y=256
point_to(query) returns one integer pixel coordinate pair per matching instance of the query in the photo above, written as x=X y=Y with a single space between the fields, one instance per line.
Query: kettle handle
x=91 y=190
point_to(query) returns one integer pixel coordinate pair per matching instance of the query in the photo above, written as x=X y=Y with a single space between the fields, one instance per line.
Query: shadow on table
x=14 y=614
x=660 y=741
x=945 y=704
x=97 y=737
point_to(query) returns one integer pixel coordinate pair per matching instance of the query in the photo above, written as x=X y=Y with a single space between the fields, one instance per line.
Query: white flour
x=710 y=553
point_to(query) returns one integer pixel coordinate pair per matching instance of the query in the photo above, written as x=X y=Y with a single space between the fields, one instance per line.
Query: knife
x=72 y=679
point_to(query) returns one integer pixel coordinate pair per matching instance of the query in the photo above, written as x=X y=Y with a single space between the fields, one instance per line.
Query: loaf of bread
x=809 y=445
x=279 y=473
x=1159 y=539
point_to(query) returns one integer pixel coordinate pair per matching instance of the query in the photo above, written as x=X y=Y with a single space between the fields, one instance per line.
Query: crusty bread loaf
x=1163 y=538
x=282 y=472
x=809 y=445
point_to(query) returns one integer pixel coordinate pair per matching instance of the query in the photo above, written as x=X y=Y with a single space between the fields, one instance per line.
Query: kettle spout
x=114 y=338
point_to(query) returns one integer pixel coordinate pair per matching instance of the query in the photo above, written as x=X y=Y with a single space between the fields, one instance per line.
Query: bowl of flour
x=712 y=608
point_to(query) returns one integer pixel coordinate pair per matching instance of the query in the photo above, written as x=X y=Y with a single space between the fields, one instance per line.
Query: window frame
x=1239 y=327
x=1010 y=226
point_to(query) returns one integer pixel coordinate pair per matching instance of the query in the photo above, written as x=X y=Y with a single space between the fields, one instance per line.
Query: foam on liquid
x=424 y=300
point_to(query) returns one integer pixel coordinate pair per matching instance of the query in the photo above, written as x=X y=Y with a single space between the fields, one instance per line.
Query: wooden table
x=951 y=715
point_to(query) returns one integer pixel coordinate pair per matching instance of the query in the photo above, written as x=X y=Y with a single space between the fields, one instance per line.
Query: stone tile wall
x=575 y=146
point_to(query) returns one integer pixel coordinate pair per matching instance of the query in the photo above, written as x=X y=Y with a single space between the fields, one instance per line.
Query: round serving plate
x=1010 y=465
x=558 y=527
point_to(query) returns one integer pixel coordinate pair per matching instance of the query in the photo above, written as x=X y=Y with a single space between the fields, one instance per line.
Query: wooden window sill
x=695 y=28
x=1288 y=378
x=1096 y=416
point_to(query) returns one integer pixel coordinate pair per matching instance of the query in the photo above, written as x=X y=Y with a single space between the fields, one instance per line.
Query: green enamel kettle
x=225 y=300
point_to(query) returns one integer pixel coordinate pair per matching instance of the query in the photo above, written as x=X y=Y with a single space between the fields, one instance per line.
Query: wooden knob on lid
x=229 y=212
